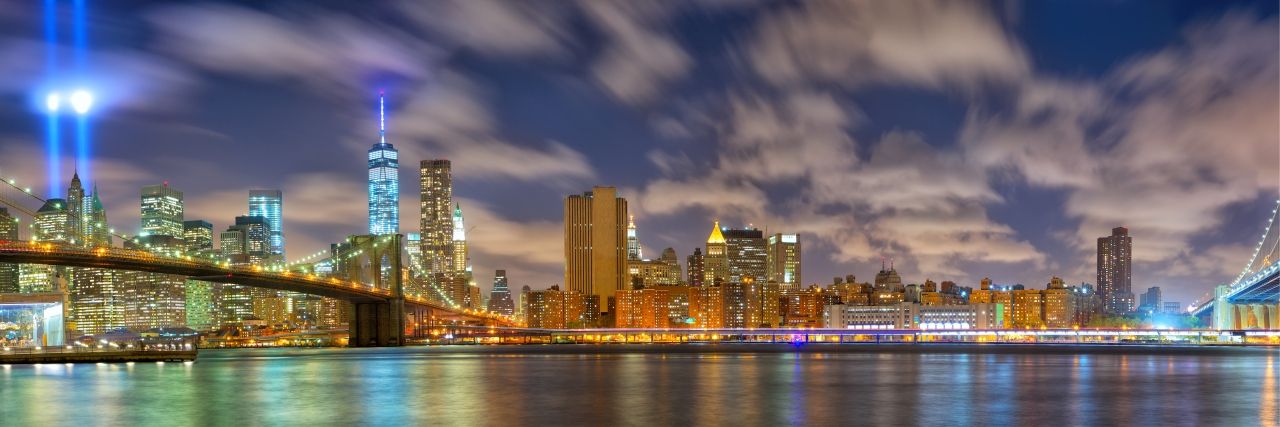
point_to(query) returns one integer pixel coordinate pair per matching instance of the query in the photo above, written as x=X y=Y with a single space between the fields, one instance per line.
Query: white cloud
x=923 y=42
x=640 y=60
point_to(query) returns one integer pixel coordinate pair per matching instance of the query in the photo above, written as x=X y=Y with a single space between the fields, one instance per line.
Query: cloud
x=907 y=199
x=123 y=79
x=309 y=46
x=501 y=28
x=639 y=59
x=921 y=42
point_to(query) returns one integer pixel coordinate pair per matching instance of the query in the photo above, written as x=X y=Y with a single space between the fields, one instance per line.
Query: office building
x=384 y=180
x=642 y=308
x=595 y=243
x=77 y=211
x=695 y=265
x=914 y=316
x=633 y=242
x=500 y=296
x=435 y=218
x=269 y=204
x=8 y=272
x=1150 y=301
x=197 y=237
x=784 y=260
x=1115 y=276
x=161 y=211
x=663 y=271
x=747 y=255
x=715 y=263
x=556 y=309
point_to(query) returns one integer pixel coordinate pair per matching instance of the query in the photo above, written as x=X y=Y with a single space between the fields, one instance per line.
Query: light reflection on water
x=708 y=385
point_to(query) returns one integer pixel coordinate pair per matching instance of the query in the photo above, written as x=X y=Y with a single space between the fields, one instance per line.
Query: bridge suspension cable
x=1268 y=249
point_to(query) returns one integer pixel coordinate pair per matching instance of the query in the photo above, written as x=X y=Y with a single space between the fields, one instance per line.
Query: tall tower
x=595 y=243
x=99 y=233
x=784 y=260
x=8 y=272
x=436 y=191
x=384 y=180
x=500 y=296
x=747 y=254
x=269 y=204
x=461 y=261
x=1115 y=256
x=715 y=264
x=76 y=211
x=633 y=242
x=161 y=211
x=696 y=267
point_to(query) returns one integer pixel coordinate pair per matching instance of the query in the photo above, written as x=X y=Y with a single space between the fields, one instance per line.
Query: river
x=655 y=385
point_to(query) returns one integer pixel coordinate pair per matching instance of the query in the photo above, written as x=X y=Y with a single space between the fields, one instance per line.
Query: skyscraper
x=784 y=260
x=461 y=260
x=715 y=263
x=500 y=296
x=76 y=211
x=595 y=243
x=161 y=211
x=8 y=272
x=98 y=233
x=269 y=204
x=435 y=221
x=633 y=242
x=695 y=266
x=257 y=238
x=198 y=236
x=384 y=180
x=1115 y=255
x=747 y=255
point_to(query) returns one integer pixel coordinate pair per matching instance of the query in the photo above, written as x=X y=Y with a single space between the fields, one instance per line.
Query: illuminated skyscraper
x=269 y=204
x=161 y=211
x=695 y=266
x=98 y=233
x=8 y=272
x=1115 y=255
x=461 y=260
x=633 y=242
x=500 y=296
x=198 y=236
x=595 y=243
x=384 y=180
x=257 y=238
x=76 y=211
x=436 y=223
x=784 y=260
x=715 y=263
x=747 y=255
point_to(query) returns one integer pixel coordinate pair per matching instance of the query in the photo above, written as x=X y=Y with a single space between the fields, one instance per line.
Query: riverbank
x=94 y=356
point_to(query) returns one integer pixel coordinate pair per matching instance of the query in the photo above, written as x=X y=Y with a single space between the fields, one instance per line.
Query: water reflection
x=721 y=386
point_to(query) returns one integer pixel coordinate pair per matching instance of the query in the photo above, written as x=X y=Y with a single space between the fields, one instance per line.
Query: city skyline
x=998 y=209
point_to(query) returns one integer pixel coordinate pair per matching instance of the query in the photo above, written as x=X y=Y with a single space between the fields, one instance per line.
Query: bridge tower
x=1252 y=300
x=376 y=260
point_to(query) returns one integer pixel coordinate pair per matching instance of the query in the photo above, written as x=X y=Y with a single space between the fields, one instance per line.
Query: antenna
x=382 y=117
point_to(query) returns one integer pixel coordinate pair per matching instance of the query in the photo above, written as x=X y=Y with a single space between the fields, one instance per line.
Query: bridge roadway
x=360 y=294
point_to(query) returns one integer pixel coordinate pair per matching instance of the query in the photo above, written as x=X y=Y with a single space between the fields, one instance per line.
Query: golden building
x=595 y=247
x=641 y=308
x=706 y=307
x=556 y=309
x=715 y=263
x=1028 y=308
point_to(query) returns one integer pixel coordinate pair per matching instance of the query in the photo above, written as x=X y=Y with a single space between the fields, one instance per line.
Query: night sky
x=961 y=139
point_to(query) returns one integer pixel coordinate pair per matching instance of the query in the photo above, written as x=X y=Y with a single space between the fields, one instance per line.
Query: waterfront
x=728 y=384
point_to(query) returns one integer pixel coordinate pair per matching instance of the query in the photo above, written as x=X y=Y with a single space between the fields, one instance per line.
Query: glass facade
x=384 y=183
x=161 y=211
x=269 y=204
x=34 y=324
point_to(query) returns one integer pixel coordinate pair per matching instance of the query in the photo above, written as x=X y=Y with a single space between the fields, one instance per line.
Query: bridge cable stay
x=1267 y=251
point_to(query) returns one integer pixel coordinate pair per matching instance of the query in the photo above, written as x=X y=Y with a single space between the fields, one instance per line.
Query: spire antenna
x=382 y=117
